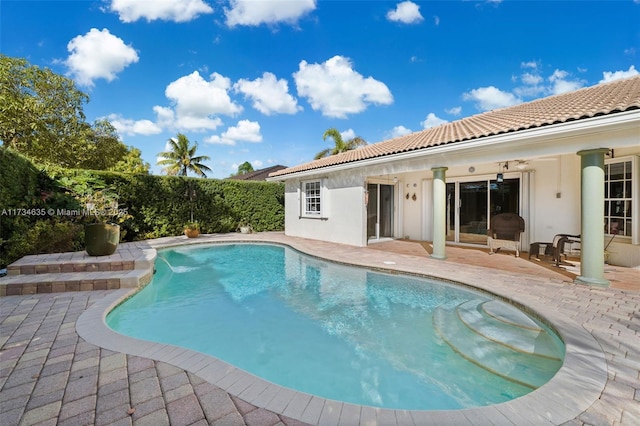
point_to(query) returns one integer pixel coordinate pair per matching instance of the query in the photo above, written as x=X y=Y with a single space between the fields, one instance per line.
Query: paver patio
x=50 y=374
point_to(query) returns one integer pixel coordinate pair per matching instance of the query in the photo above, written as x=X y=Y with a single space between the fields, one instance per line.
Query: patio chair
x=504 y=232
x=555 y=248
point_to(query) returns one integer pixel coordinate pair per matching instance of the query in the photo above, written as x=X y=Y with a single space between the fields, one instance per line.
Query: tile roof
x=601 y=99
x=260 y=174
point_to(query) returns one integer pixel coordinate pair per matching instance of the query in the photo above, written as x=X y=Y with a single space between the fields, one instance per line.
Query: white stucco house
x=567 y=163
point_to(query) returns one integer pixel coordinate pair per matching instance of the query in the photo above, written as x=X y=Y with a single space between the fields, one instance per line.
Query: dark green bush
x=159 y=205
x=46 y=236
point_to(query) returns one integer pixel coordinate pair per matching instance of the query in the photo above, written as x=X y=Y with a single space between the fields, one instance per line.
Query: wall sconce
x=501 y=169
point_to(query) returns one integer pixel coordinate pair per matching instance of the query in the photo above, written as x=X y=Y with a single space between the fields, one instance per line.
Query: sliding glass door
x=471 y=204
x=380 y=208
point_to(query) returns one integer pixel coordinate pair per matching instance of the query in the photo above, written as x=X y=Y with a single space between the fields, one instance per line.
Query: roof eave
x=560 y=130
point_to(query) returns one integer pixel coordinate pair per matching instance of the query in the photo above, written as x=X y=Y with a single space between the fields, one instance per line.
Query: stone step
x=520 y=367
x=67 y=267
x=520 y=333
x=126 y=258
x=73 y=281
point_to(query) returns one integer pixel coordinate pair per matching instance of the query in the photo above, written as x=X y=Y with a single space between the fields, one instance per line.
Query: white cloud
x=531 y=79
x=398 y=131
x=198 y=102
x=348 y=134
x=432 y=121
x=336 y=90
x=436 y=20
x=244 y=131
x=529 y=64
x=166 y=10
x=406 y=12
x=254 y=13
x=488 y=98
x=532 y=84
x=560 y=83
x=454 y=110
x=165 y=116
x=608 y=76
x=269 y=95
x=126 y=126
x=98 y=54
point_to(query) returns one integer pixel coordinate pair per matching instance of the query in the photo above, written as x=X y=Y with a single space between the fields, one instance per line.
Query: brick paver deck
x=50 y=374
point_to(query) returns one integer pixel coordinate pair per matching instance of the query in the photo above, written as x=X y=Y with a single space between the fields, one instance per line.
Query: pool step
x=520 y=333
x=511 y=351
x=130 y=266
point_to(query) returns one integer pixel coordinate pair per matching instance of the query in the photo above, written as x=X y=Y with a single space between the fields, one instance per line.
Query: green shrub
x=158 y=206
x=46 y=236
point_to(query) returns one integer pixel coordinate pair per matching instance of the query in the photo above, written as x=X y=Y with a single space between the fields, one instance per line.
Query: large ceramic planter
x=101 y=239
x=191 y=233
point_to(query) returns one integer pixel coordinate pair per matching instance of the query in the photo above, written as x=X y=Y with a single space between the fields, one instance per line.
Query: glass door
x=473 y=212
x=470 y=206
x=380 y=208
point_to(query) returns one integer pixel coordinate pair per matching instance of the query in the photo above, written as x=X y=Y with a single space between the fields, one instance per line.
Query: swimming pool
x=340 y=332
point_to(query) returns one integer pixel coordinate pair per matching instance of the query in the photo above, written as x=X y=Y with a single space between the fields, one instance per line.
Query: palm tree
x=181 y=159
x=340 y=145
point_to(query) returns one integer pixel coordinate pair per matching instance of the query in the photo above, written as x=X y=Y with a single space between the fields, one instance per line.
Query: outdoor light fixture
x=522 y=164
x=501 y=169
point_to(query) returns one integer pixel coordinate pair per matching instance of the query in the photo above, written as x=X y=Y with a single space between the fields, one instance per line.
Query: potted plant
x=102 y=236
x=244 y=227
x=192 y=229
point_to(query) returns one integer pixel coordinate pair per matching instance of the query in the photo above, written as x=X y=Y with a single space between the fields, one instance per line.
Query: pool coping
x=556 y=402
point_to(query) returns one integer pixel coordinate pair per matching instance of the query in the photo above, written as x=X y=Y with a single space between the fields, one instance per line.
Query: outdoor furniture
x=555 y=248
x=504 y=232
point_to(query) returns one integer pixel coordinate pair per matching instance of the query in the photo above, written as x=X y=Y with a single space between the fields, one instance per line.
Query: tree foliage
x=181 y=158
x=42 y=117
x=131 y=163
x=244 y=168
x=340 y=144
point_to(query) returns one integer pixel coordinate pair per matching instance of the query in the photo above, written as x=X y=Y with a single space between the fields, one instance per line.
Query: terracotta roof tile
x=601 y=99
x=260 y=174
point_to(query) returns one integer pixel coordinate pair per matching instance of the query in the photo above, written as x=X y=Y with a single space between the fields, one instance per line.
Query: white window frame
x=315 y=198
x=633 y=200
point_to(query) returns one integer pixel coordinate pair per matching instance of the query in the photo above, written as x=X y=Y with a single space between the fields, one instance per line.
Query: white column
x=439 y=212
x=592 y=215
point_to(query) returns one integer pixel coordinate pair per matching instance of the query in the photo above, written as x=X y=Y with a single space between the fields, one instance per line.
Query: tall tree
x=42 y=117
x=245 y=167
x=39 y=109
x=181 y=158
x=132 y=163
x=340 y=144
x=101 y=148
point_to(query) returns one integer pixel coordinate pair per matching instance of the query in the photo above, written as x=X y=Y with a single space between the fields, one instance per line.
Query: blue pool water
x=335 y=331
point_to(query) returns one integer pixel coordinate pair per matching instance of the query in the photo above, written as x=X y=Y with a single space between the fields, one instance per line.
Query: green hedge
x=25 y=191
x=158 y=205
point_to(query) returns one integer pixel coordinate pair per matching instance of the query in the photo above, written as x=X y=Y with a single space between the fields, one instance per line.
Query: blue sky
x=261 y=80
